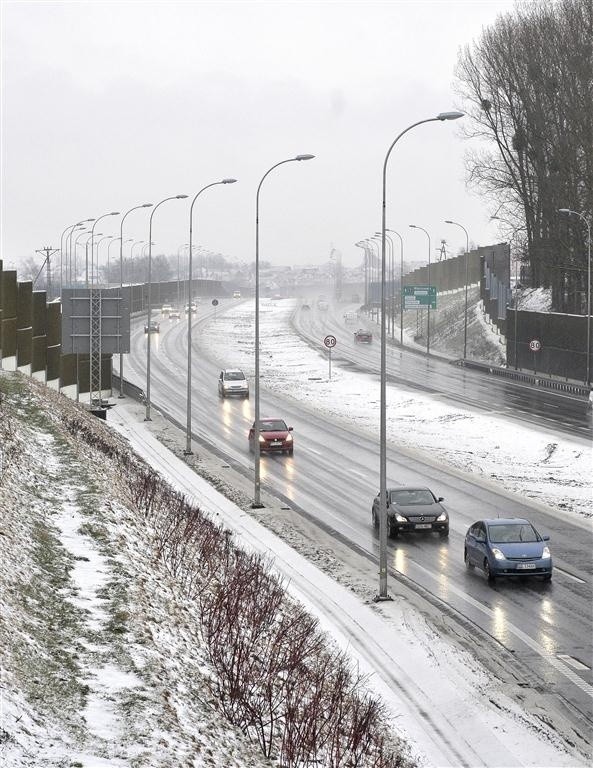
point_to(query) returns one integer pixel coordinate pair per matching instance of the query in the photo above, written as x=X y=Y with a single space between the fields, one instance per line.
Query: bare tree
x=528 y=84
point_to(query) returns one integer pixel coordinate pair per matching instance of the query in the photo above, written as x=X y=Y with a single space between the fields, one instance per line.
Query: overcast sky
x=106 y=105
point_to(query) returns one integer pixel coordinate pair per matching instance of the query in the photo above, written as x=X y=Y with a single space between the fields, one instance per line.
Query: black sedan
x=413 y=509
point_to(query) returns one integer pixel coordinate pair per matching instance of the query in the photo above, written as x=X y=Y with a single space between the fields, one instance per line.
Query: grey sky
x=108 y=105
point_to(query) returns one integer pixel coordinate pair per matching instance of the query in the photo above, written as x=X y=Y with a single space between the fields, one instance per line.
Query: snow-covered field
x=540 y=465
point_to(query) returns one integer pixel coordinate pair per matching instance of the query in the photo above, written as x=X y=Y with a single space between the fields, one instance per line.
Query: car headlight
x=262 y=439
x=546 y=553
x=400 y=518
x=441 y=518
x=498 y=554
x=289 y=438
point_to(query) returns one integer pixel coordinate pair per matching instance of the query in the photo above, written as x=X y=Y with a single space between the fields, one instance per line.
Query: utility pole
x=49 y=252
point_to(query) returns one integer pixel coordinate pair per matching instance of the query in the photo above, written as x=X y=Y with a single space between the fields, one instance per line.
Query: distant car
x=507 y=547
x=154 y=327
x=322 y=306
x=166 y=309
x=232 y=381
x=350 y=317
x=191 y=307
x=274 y=437
x=412 y=509
x=174 y=314
x=305 y=306
x=363 y=337
x=236 y=294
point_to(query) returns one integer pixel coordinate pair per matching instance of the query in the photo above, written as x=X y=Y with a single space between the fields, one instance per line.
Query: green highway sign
x=420 y=296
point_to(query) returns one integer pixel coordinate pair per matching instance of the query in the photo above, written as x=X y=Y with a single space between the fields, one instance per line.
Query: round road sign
x=214 y=302
x=330 y=341
x=535 y=345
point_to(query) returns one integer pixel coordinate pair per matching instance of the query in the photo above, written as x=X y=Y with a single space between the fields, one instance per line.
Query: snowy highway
x=538 y=635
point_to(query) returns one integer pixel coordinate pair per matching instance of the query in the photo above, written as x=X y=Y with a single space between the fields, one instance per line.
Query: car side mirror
x=441 y=498
x=290 y=429
x=546 y=538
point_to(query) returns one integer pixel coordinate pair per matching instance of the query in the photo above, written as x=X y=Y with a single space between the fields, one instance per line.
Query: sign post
x=418 y=296
x=330 y=342
x=535 y=345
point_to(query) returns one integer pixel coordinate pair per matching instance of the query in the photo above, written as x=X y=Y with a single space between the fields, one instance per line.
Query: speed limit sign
x=535 y=345
x=330 y=341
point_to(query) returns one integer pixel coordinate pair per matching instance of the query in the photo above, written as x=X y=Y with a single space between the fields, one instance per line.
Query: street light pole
x=257 y=479
x=457 y=224
x=188 y=450
x=383 y=406
x=360 y=244
x=106 y=237
x=121 y=280
x=149 y=298
x=587 y=220
x=391 y=279
x=114 y=213
x=414 y=226
x=401 y=287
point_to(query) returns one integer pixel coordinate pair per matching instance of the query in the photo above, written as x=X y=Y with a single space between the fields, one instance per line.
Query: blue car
x=507 y=547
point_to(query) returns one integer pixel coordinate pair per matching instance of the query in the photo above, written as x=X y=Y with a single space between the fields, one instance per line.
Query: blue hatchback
x=507 y=547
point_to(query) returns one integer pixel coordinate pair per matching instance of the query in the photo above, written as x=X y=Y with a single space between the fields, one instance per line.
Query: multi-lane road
x=540 y=633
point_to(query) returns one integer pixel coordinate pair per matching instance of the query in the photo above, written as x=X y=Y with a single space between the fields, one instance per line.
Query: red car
x=363 y=337
x=274 y=436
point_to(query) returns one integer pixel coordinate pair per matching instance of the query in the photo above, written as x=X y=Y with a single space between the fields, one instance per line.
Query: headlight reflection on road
x=400 y=562
x=547 y=611
x=499 y=629
x=443 y=571
x=246 y=411
x=548 y=643
x=226 y=414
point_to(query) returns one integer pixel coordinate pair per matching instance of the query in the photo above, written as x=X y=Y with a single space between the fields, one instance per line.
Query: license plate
x=423 y=525
x=525 y=566
x=276 y=442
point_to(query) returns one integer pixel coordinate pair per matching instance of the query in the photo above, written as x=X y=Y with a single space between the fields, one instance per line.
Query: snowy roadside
x=539 y=465
x=449 y=709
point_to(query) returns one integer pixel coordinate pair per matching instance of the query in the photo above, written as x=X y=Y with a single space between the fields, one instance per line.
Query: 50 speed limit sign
x=330 y=341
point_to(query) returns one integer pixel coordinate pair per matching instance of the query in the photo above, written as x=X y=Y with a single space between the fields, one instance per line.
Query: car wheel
x=291 y=451
x=375 y=518
x=468 y=564
x=444 y=534
x=393 y=531
x=488 y=572
x=547 y=577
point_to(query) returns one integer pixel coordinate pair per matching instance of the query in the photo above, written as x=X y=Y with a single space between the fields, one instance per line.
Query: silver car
x=232 y=382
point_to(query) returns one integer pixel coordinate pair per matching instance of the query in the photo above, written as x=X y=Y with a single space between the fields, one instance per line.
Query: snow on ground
x=543 y=466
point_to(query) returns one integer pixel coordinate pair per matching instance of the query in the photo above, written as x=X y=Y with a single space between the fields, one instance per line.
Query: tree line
x=528 y=87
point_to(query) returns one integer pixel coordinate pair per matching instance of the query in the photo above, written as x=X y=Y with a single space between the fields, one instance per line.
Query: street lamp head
x=228 y=181
x=448 y=221
x=304 y=157
x=180 y=197
x=113 y=213
x=82 y=222
x=564 y=210
x=413 y=226
x=146 y=205
x=449 y=115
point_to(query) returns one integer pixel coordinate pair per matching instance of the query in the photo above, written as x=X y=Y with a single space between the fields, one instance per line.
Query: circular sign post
x=535 y=345
x=330 y=342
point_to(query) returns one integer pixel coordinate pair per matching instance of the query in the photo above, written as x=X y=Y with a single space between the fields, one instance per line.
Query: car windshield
x=412 y=496
x=234 y=375
x=274 y=425
x=512 y=533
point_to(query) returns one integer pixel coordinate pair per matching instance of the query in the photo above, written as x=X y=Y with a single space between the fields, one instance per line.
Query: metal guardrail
x=529 y=378
x=131 y=390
